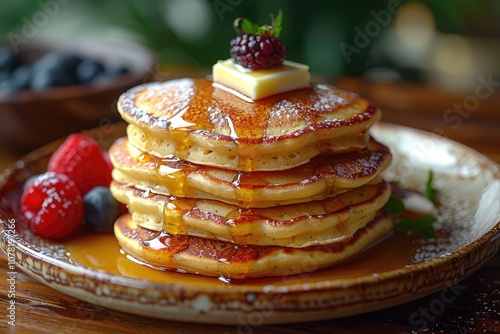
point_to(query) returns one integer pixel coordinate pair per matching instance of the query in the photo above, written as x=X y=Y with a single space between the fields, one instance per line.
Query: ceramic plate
x=398 y=269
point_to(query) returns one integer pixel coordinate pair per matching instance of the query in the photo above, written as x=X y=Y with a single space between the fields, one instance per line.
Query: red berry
x=52 y=205
x=106 y=157
x=80 y=158
x=258 y=51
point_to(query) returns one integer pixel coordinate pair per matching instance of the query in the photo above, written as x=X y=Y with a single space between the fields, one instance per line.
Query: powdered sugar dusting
x=221 y=122
x=156 y=103
x=297 y=115
x=328 y=99
x=468 y=188
x=454 y=227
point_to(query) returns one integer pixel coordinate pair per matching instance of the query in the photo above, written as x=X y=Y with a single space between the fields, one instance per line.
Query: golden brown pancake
x=320 y=178
x=228 y=260
x=196 y=122
x=220 y=186
x=335 y=219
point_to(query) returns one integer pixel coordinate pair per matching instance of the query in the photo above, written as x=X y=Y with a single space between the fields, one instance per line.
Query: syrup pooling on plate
x=211 y=257
x=101 y=252
x=396 y=251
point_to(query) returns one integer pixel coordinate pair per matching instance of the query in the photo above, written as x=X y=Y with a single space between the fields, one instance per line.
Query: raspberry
x=52 y=205
x=106 y=157
x=258 y=47
x=81 y=159
x=258 y=51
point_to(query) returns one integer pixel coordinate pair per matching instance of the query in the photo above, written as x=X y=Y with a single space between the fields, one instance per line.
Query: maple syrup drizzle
x=172 y=173
x=246 y=134
x=186 y=106
x=238 y=226
x=100 y=251
x=178 y=212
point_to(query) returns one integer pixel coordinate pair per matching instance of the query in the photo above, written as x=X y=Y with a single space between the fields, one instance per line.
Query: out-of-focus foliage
x=197 y=32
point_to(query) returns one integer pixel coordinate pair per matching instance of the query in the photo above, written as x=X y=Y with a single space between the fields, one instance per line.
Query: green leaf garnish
x=277 y=23
x=262 y=30
x=394 y=206
x=431 y=192
x=422 y=225
x=408 y=221
x=243 y=25
x=247 y=26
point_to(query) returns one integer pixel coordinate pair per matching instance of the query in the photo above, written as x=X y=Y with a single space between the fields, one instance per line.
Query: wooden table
x=476 y=309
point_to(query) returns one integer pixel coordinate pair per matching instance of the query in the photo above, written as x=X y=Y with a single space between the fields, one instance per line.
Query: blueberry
x=88 y=70
x=6 y=89
x=4 y=76
x=109 y=74
x=17 y=80
x=58 y=60
x=21 y=77
x=44 y=78
x=101 y=209
x=117 y=71
x=8 y=59
x=55 y=69
x=5 y=84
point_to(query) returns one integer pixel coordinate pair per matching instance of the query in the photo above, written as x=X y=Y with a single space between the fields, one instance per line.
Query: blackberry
x=258 y=51
x=258 y=47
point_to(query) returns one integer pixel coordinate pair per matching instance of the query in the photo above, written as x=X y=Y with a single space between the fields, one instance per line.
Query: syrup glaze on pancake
x=261 y=157
x=191 y=114
x=300 y=225
x=218 y=258
x=322 y=177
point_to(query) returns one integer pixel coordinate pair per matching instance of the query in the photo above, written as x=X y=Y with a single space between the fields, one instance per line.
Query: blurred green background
x=446 y=43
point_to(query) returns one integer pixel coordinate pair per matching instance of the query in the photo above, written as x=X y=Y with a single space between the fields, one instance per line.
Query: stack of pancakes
x=220 y=186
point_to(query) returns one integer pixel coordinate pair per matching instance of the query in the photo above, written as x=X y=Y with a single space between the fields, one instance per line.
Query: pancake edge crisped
x=146 y=172
x=195 y=122
x=152 y=134
x=219 y=259
x=301 y=225
x=263 y=159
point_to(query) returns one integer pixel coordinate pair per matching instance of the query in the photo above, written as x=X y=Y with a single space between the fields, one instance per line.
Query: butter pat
x=261 y=83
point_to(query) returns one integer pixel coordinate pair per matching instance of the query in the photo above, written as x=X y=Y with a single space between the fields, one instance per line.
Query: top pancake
x=202 y=124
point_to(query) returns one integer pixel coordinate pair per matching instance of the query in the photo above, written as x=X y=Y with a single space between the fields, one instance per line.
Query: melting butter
x=261 y=83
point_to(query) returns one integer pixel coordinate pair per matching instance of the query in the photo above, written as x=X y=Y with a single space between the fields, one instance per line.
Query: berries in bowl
x=51 y=89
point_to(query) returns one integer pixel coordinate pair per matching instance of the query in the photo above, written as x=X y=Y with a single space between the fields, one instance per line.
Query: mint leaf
x=405 y=224
x=422 y=226
x=394 y=206
x=277 y=23
x=262 y=30
x=248 y=26
x=431 y=192
x=243 y=25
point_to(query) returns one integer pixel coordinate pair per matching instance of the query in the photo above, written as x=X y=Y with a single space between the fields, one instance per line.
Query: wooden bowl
x=29 y=119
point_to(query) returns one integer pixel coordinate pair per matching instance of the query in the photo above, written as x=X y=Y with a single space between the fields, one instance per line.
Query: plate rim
x=483 y=247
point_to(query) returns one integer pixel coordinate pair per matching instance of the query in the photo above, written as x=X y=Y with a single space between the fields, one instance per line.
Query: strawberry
x=52 y=205
x=81 y=159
